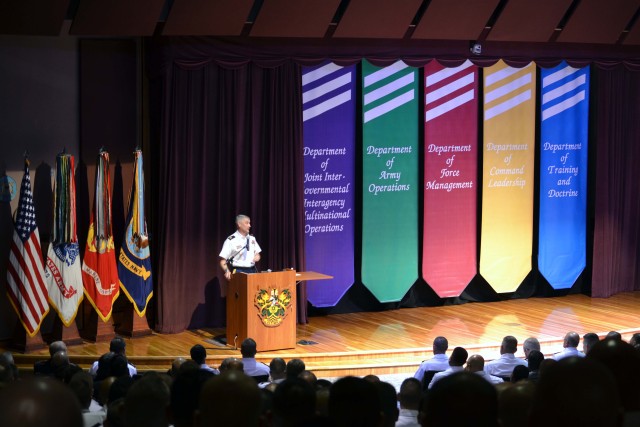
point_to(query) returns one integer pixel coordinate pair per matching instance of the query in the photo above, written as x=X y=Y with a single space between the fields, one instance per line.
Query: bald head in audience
x=37 y=402
x=231 y=399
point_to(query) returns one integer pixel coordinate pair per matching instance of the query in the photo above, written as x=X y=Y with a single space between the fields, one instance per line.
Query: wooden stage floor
x=396 y=341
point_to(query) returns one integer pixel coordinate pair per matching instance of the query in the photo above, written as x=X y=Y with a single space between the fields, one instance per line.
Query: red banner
x=450 y=169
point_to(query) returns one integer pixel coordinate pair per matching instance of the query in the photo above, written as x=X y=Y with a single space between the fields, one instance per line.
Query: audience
x=354 y=402
x=460 y=399
x=43 y=367
x=439 y=362
x=588 y=341
x=231 y=399
x=535 y=359
x=475 y=364
x=295 y=367
x=256 y=370
x=456 y=364
x=529 y=344
x=576 y=391
x=118 y=347
x=503 y=366
x=37 y=402
x=199 y=356
x=409 y=400
x=568 y=389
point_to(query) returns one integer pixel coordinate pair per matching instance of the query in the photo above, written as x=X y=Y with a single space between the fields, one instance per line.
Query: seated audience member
x=530 y=344
x=43 y=367
x=185 y=394
x=256 y=370
x=354 y=402
x=119 y=388
x=588 y=341
x=81 y=384
x=8 y=369
x=175 y=366
x=623 y=362
x=37 y=402
x=277 y=372
x=613 y=335
x=371 y=378
x=309 y=377
x=295 y=367
x=115 y=414
x=439 y=362
x=460 y=399
x=294 y=403
x=514 y=403
x=503 y=366
x=456 y=364
x=117 y=346
x=388 y=403
x=231 y=399
x=61 y=366
x=409 y=400
x=231 y=364
x=475 y=364
x=635 y=341
x=519 y=373
x=535 y=359
x=570 y=344
x=575 y=391
x=199 y=356
x=147 y=402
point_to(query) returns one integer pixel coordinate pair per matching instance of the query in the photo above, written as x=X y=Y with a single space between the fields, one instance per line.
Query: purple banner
x=328 y=96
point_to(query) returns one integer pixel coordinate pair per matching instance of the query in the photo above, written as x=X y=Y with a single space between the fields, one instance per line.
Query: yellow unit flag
x=508 y=167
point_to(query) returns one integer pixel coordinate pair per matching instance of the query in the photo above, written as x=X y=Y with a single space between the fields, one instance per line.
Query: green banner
x=390 y=180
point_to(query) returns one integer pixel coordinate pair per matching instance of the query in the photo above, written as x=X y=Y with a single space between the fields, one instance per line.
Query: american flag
x=25 y=272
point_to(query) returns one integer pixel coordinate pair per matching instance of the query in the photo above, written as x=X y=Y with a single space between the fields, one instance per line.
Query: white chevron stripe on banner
x=388 y=106
x=449 y=105
x=450 y=88
x=507 y=105
x=446 y=72
x=565 y=88
x=507 y=88
x=562 y=106
x=384 y=73
x=334 y=84
x=319 y=73
x=559 y=75
x=391 y=87
x=501 y=75
x=325 y=106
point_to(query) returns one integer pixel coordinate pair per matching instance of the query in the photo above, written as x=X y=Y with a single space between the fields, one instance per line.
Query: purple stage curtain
x=229 y=142
x=617 y=188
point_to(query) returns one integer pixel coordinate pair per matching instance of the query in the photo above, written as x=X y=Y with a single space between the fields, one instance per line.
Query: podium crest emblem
x=272 y=305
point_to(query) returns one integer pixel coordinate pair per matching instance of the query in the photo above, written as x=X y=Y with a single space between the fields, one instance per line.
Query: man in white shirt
x=475 y=364
x=570 y=344
x=456 y=364
x=504 y=365
x=439 y=362
x=409 y=399
x=240 y=251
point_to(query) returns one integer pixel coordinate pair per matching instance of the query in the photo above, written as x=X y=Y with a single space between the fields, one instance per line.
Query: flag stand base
x=95 y=329
x=68 y=334
x=133 y=325
x=23 y=342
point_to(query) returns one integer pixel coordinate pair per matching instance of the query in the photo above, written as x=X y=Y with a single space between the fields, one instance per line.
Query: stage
x=395 y=341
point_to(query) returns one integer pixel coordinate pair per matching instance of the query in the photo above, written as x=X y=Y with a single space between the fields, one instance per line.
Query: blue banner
x=328 y=96
x=563 y=174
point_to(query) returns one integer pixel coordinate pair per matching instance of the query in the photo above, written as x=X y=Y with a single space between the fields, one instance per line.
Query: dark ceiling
x=606 y=22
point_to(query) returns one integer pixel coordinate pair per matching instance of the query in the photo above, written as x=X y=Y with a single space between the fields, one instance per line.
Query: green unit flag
x=390 y=180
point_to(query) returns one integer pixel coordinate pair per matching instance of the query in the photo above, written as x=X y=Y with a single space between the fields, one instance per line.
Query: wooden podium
x=262 y=306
